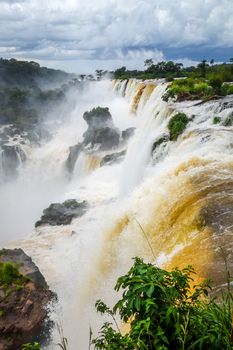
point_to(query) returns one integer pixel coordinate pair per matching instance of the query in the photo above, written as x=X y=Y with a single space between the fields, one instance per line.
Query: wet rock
x=101 y=133
x=113 y=158
x=24 y=300
x=74 y=152
x=25 y=264
x=126 y=134
x=228 y=120
x=62 y=213
x=163 y=139
x=225 y=105
x=101 y=138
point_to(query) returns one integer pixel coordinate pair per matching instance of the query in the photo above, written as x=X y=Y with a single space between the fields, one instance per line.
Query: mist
x=42 y=178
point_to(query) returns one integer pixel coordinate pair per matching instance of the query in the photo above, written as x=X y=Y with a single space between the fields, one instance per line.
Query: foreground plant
x=165 y=313
x=31 y=346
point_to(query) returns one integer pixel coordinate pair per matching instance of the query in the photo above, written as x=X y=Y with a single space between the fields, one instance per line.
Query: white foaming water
x=42 y=179
x=82 y=261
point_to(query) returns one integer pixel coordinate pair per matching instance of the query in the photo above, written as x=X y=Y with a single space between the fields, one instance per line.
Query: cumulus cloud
x=113 y=30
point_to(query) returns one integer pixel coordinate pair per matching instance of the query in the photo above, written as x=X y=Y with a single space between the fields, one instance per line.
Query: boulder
x=101 y=138
x=101 y=135
x=62 y=213
x=113 y=158
x=24 y=300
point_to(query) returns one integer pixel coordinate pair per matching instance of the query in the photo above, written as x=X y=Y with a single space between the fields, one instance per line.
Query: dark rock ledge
x=24 y=300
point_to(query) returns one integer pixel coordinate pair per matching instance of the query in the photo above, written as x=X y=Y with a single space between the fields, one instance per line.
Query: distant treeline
x=29 y=92
x=170 y=70
x=30 y=74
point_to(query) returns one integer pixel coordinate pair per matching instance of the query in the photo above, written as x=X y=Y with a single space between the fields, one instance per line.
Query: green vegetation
x=216 y=120
x=228 y=121
x=28 y=92
x=177 y=124
x=166 y=312
x=197 y=88
x=24 y=74
x=23 y=107
x=31 y=346
x=10 y=276
x=160 y=70
x=9 y=273
x=205 y=81
x=171 y=70
x=188 y=89
x=2 y=313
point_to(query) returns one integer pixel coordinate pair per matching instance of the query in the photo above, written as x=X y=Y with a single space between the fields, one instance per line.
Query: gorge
x=167 y=200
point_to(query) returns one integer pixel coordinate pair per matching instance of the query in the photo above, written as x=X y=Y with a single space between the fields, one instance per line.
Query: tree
x=203 y=65
x=119 y=72
x=99 y=73
x=148 y=62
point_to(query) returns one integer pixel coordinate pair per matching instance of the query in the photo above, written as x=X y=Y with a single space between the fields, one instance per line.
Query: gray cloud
x=112 y=30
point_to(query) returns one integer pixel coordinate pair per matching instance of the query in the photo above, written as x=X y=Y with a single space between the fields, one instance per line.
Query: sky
x=81 y=36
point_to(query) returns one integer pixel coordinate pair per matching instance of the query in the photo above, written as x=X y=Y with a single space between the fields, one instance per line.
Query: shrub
x=216 y=84
x=216 y=120
x=188 y=89
x=165 y=313
x=8 y=273
x=177 y=125
x=227 y=89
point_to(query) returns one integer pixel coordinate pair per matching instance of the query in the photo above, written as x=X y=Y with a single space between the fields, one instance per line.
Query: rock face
x=73 y=156
x=11 y=152
x=11 y=157
x=101 y=133
x=62 y=213
x=25 y=265
x=24 y=297
x=101 y=139
x=126 y=134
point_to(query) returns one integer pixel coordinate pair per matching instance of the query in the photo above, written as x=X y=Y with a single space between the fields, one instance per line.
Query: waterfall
x=179 y=194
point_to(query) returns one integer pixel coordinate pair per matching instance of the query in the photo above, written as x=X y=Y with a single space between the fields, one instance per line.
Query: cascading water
x=178 y=196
